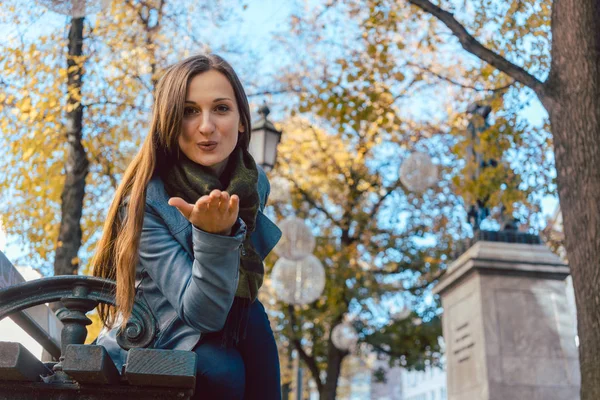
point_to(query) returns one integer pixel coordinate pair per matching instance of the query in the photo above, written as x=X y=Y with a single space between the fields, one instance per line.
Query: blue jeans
x=248 y=371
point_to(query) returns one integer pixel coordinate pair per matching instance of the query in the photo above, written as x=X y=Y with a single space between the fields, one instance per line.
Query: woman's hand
x=215 y=213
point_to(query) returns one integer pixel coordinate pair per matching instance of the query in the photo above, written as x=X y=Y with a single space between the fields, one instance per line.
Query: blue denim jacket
x=186 y=276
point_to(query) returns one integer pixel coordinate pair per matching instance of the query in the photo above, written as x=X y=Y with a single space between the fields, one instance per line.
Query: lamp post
x=264 y=140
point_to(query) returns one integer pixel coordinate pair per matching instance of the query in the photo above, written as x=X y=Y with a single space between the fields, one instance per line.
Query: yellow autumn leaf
x=28 y=153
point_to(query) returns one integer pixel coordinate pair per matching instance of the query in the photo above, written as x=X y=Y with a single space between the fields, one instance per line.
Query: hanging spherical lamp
x=298 y=282
x=418 y=172
x=344 y=336
x=73 y=8
x=297 y=241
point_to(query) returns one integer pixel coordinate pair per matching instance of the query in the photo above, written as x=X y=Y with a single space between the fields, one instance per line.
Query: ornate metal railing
x=79 y=295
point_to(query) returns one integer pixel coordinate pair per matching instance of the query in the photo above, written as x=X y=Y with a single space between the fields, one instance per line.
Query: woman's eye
x=190 y=111
x=222 y=108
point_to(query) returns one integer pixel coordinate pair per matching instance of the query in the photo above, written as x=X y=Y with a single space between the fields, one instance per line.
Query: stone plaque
x=464 y=368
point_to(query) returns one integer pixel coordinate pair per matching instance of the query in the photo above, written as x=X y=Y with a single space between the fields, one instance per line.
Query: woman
x=185 y=233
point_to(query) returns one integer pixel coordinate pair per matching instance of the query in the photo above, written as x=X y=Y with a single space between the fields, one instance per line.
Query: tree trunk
x=334 y=368
x=76 y=166
x=574 y=108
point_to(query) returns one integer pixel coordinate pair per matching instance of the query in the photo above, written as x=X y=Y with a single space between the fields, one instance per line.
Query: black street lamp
x=264 y=140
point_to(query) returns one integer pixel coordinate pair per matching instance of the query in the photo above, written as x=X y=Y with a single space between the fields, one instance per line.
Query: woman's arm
x=200 y=289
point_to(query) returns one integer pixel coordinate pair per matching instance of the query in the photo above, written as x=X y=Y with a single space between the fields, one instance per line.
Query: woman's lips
x=207 y=147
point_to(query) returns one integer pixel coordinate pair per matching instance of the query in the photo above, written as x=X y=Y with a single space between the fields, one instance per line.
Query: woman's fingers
x=215 y=195
x=183 y=206
x=202 y=203
x=224 y=202
x=215 y=199
x=234 y=204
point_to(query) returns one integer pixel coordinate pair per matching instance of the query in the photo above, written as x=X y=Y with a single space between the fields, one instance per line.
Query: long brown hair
x=117 y=251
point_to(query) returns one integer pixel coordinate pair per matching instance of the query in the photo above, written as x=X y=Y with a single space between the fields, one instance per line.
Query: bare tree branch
x=408 y=90
x=324 y=150
x=470 y=44
x=107 y=169
x=398 y=268
x=114 y=103
x=426 y=279
x=310 y=200
x=376 y=208
x=326 y=8
x=389 y=351
x=456 y=83
x=10 y=85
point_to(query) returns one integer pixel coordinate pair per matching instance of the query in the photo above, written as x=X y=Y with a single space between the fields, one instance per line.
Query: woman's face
x=211 y=121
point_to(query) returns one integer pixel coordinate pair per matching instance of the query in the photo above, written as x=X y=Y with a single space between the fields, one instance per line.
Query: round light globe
x=298 y=282
x=344 y=336
x=418 y=172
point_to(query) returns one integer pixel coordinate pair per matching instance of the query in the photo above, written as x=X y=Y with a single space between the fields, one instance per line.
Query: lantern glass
x=271 y=142
x=257 y=146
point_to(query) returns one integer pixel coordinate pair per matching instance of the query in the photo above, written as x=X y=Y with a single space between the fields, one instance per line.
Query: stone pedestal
x=508 y=327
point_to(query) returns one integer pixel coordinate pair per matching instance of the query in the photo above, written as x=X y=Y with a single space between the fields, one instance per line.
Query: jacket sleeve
x=200 y=289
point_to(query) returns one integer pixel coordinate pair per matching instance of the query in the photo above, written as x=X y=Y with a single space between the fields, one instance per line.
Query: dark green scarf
x=190 y=181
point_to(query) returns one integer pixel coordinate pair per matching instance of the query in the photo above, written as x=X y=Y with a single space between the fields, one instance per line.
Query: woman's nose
x=206 y=125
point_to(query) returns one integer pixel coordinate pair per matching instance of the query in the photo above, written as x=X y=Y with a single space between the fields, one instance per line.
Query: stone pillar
x=508 y=327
